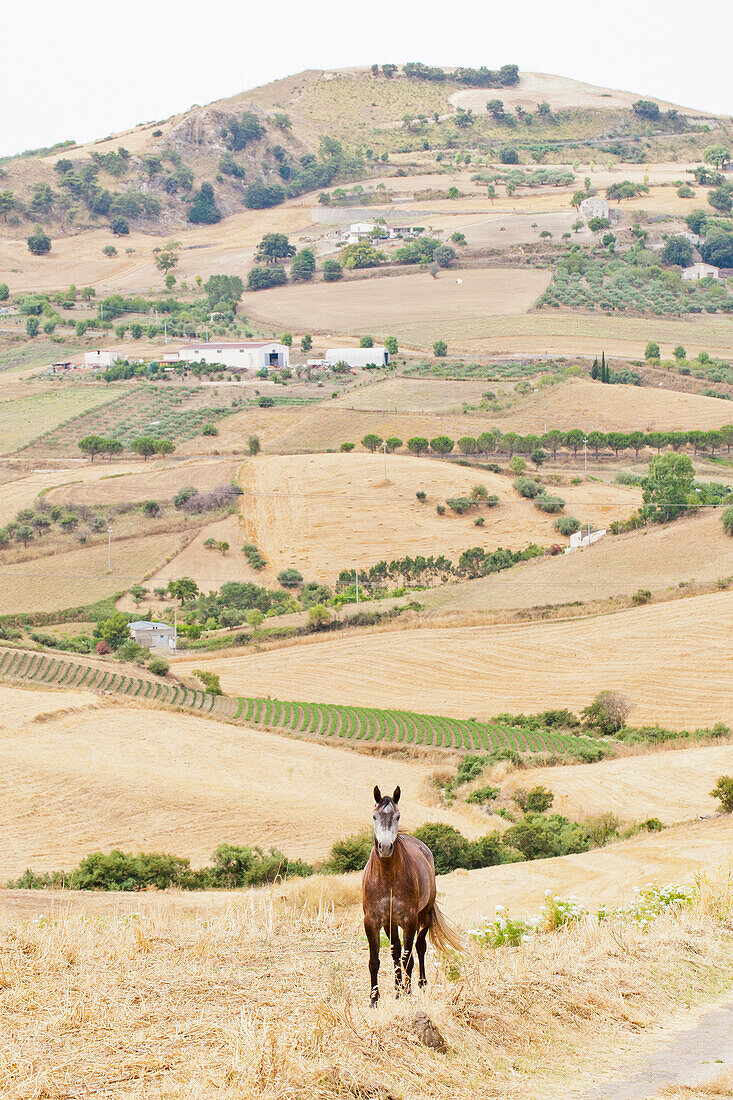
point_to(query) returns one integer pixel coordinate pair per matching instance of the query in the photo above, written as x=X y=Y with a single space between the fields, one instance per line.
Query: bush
x=723 y=790
x=210 y=680
x=350 y=854
x=641 y=596
x=526 y=487
x=608 y=712
x=533 y=800
x=158 y=666
x=549 y=503
x=482 y=795
x=567 y=525
x=209 y=429
x=332 y=271
x=449 y=847
x=346 y=448
x=290 y=578
x=728 y=521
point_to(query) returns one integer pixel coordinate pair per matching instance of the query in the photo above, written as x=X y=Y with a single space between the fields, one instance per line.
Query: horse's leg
x=396 y=952
x=420 y=949
x=408 y=960
x=372 y=935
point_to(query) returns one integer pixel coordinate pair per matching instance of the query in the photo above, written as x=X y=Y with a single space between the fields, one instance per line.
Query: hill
x=275 y=134
x=672 y=659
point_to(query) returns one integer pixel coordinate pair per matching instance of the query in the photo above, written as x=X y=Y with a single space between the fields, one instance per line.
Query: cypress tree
x=604 y=368
x=594 y=368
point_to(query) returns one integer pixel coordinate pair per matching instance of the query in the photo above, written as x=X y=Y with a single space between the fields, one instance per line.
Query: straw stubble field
x=673 y=660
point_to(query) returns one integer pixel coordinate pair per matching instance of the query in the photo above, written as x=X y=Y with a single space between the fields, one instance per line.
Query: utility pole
x=384 y=448
x=585 y=454
x=357 y=582
x=109 y=549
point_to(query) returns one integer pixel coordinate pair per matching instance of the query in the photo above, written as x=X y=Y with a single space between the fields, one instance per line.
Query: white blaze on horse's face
x=386 y=825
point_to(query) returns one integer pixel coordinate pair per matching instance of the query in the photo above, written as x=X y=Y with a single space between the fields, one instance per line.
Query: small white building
x=153 y=635
x=358 y=357
x=580 y=541
x=359 y=230
x=101 y=358
x=248 y=356
x=699 y=271
x=595 y=207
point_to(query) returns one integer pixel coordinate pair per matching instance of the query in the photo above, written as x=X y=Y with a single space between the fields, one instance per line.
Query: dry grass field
x=583 y=403
x=419 y=395
x=673 y=786
x=657 y=558
x=673 y=660
x=322 y=513
x=255 y=1002
x=210 y=568
x=77 y=577
x=82 y=773
x=156 y=480
x=602 y=876
x=414 y=306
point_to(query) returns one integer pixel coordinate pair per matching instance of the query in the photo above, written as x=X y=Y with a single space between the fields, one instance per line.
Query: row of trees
x=510 y=443
x=145 y=445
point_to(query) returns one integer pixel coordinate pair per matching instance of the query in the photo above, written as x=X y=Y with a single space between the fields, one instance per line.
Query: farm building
x=153 y=635
x=101 y=358
x=358 y=357
x=700 y=271
x=595 y=207
x=580 y=541
x=249 y=355
x=359 y=230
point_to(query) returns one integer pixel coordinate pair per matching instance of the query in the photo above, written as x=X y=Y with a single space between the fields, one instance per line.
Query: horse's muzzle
x=385 y=850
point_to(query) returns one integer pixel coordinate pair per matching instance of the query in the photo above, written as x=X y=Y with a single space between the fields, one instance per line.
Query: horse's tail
x=443 y=935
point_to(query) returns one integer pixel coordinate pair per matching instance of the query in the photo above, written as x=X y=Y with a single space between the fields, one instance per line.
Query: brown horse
x=398 y=891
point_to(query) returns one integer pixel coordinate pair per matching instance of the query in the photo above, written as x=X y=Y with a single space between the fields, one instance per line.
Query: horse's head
x=386 y=822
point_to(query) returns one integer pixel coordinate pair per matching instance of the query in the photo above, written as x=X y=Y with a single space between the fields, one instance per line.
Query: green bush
x=567 y=525
x=549 y=503
x=482 y=795
x=350 y=854
x=210 y=680
x=728 y=521
x=526 y=487
x=641 y=596
x=533 y=800
x=723 y=790
x=158 y=666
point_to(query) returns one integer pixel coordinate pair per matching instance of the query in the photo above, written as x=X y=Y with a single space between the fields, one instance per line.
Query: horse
x=398 y=891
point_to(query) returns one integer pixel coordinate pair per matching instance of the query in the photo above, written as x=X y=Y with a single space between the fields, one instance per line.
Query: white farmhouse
x=359 y=230
x=699 y=271
x=153 y=635
x=101 y=358
x=248 y=356
x=595 y=207
x=580 y=541
x=358 y=357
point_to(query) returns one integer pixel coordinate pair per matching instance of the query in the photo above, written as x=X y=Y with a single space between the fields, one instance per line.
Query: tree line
x=494 y=441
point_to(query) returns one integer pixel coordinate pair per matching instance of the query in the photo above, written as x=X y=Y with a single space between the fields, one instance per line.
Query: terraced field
x=353 y=724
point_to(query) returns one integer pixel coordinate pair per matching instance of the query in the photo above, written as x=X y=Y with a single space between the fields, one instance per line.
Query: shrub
x=290 y=578
x=567 y=525
x=440 y=349
x=209 y=429
x=533 y=800
x=332 y=271
x=158 y=666
x=608 y=712
x=440 y=509
x=642 y=595
x=728 y=521
x=723 y=790
x=422 y=495
x=482 y=795
x=449 y=847
x=350 y=854
x=549 y=503
x=210 y=680
x=526 y=487
x=346 y=447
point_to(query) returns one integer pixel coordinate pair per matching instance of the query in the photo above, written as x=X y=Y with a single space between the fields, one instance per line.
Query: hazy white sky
x=88 y=69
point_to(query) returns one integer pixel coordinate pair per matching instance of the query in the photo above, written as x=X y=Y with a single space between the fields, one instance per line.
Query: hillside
x=672 y=659
x=152 y=174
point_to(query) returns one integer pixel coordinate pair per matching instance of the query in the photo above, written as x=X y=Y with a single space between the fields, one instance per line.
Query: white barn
x=101 y=358
x=249 y=355
x=153 y=635
x=699 y=271
x=358 y=357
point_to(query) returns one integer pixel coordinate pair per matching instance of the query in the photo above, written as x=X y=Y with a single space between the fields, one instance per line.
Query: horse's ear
x=396 y=795
x=377 y=794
